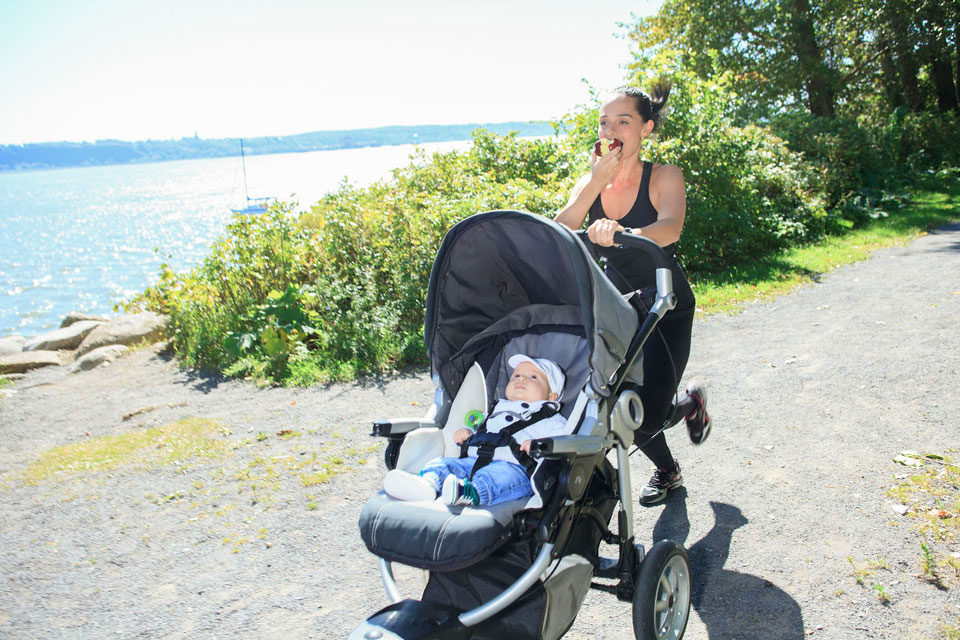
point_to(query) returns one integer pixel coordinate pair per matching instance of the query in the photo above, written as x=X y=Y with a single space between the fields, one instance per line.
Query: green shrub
x=844 y=158
x=923 y=141
x=340 y=289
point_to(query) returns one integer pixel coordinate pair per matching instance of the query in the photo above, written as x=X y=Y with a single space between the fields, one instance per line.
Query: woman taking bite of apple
x=624 y=193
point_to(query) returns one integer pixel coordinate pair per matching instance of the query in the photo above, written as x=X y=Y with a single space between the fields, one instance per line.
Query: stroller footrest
x=431 y=535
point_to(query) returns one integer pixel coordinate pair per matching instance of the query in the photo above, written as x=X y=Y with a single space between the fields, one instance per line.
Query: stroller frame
x=664 y=589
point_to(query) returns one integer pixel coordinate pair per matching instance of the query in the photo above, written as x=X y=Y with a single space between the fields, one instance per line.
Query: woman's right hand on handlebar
x=601 y=232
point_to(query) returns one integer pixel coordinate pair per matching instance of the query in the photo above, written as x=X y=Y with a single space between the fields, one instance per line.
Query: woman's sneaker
x=457 y=492
x=698 y=422
x=660 y=483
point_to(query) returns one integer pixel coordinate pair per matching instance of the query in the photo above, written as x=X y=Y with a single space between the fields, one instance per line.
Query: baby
x=535 y=384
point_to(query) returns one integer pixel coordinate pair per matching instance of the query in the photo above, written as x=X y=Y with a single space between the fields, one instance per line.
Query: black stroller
x=506 y=282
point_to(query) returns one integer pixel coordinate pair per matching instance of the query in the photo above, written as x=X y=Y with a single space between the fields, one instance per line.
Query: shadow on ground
x=730 y=604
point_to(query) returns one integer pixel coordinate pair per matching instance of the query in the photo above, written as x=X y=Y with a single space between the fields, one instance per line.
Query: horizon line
x=289 y=135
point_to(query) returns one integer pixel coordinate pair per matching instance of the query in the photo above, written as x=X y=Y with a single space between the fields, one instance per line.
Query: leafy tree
x=827 y=55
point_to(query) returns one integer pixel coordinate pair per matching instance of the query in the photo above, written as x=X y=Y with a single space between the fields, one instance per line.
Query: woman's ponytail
x=652 y=106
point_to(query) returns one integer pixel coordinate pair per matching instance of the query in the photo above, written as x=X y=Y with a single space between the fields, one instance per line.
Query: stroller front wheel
x=661 y=598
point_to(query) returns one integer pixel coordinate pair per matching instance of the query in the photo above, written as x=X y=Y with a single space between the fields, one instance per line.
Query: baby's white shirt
x=507 y=412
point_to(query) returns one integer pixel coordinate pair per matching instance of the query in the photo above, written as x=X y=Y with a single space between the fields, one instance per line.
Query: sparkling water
x=87 y=238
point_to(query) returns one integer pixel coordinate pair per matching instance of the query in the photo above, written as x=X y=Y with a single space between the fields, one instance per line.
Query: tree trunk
x=955 y=18
x=942 y=76
x=956 y=50
x=888 y=73
x=821 y=95
x=905 y=40
x=937 y=22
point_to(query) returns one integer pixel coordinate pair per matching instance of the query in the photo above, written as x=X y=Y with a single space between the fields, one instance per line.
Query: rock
x=138 y=327
x=11 y=344
x=28 y=360
x=76 y=316
x=99 y=356
x=67 y=338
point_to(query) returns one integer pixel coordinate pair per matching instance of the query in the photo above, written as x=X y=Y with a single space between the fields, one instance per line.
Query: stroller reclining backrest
x=498 y=274
x=487 y=379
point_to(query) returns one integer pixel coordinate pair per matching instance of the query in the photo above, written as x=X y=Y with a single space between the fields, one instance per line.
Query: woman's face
x=619 y=119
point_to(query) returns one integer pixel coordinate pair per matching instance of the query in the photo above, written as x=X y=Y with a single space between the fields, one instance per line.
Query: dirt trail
x=813 y=396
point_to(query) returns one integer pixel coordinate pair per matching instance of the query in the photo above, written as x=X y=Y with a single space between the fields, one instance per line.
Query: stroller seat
x=433 y=535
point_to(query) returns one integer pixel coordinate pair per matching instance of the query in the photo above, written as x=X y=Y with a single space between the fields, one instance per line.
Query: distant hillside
x=47 y=155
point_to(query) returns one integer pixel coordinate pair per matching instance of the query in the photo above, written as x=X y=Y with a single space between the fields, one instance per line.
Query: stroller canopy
x=505 y=271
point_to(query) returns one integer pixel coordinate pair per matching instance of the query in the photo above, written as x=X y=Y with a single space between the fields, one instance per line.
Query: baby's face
x=528 y=383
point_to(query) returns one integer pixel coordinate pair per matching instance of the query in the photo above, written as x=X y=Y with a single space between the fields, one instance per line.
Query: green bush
x=257 y=255
x=842 y=154
x=340 y=289
x=861 y=165
x=929 y=140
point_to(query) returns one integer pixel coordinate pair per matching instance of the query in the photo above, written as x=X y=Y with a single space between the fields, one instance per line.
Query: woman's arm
x=588 y=188
x=578 y=206
x=668 y=196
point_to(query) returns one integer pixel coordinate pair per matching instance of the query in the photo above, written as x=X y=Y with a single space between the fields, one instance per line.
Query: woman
x=624 y=193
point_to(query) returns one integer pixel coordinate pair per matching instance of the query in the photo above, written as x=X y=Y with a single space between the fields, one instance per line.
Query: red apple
x=603 y=145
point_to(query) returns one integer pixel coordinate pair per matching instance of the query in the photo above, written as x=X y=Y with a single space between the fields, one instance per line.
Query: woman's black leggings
x=666 y=350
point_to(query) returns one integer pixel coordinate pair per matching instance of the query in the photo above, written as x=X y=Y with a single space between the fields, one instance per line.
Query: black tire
x=391 y=453
x=661 y=596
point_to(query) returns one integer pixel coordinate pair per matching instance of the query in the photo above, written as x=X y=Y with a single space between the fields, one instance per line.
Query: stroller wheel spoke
x=665 y=585
x=662 y=605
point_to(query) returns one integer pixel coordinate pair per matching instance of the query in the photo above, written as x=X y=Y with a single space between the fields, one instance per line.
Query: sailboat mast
x=243 y=163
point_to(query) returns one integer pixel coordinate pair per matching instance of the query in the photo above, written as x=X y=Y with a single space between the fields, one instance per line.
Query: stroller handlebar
x=634 y=241
x=666 y=298
x=646 y=245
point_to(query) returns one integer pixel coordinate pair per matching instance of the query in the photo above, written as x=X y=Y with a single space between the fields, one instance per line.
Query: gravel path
x=812 y=395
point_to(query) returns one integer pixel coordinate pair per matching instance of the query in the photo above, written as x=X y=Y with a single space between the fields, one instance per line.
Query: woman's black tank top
x=634 y=266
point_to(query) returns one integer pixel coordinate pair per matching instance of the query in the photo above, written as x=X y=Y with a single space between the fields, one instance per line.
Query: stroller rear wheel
x=661 y=598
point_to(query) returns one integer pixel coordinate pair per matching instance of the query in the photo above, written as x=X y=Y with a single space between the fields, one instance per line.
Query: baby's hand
x=460 y=435
x=525 y=447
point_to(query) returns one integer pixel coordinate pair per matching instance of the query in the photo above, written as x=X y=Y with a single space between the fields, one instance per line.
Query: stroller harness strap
x=488 y=442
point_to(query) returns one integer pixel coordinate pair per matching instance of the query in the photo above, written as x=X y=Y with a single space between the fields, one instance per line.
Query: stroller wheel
x=661 y=598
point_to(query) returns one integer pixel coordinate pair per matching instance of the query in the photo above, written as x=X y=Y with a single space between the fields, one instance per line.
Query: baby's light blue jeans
x=499 y=481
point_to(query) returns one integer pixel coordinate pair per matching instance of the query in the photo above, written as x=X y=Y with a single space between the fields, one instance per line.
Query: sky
x=137 y=69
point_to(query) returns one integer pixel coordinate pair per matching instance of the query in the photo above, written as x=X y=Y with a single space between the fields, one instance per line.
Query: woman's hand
x=603 y=168
x=601 y=232
x=460 y=435
x=525 y=447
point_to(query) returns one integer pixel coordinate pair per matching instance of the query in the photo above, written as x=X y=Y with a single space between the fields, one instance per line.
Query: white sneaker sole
x=403 y=485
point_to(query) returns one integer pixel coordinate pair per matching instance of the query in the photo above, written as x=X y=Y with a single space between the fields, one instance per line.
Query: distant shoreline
x=57 y=155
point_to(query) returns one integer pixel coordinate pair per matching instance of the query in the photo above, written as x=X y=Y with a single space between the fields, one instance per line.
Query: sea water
x=88 y=238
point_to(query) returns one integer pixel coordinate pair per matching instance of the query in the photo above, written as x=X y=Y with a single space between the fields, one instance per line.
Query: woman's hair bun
x=652 y=106
x=659 y=92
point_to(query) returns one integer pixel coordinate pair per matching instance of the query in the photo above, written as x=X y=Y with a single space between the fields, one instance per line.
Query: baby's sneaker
x=457 y=492
x=698 y=422
x=404 y=485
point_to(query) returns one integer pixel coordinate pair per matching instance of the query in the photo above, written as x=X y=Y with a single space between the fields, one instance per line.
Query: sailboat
x=255 y=206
